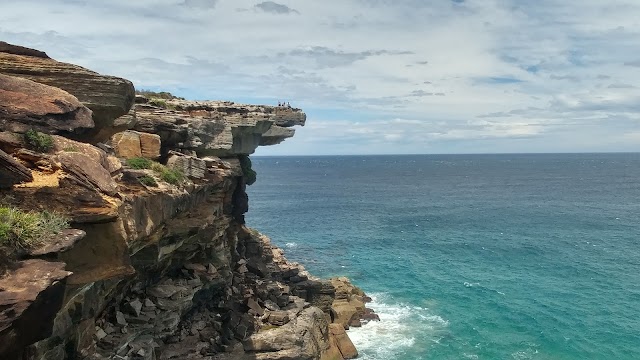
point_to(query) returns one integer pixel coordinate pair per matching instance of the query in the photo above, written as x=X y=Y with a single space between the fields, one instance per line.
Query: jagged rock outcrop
x=159 y=263
x=217 y=128
x=109 y=97
x=25 y=104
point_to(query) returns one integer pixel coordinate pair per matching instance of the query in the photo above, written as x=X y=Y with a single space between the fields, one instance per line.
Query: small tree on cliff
x=249 y=174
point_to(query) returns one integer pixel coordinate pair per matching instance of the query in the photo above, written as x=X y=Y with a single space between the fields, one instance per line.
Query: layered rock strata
x=157 y=266
x=108 y=97
x=215 y=128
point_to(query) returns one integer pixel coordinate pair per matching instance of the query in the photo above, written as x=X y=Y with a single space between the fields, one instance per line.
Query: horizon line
x=423 y=154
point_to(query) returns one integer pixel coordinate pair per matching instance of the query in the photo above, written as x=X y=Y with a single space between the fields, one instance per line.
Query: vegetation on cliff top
x=21 y=230
x=159 y=95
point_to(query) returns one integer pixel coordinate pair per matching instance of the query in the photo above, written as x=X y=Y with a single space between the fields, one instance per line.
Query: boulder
x=25 y=104
x=303 y=338
x=319 y=293
x=278 y=318
x=130 y=144
x=87 y=173
x=127 y=144
x=97 y=155
x=108 y=97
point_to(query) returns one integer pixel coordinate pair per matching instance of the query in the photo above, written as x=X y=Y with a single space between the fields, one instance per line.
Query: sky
x=373 y=76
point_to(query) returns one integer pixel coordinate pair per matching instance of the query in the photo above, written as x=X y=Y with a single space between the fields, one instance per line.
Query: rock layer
x=109 y=97
x=217 y=128
x=25 y=104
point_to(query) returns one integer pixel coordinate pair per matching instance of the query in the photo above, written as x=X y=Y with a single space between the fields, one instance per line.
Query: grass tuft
x=148 y=181
x=139 y=163
x=21 y=230
x=171 y=176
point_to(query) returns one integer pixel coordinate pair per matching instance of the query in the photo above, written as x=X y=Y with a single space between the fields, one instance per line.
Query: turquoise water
x=469 y=256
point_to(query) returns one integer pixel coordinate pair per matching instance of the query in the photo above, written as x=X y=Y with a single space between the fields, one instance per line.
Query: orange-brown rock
x=342 y=341
x=127 y=144
x=108 y=97
x=348 y=307
x=150 y=146
x=25 y=105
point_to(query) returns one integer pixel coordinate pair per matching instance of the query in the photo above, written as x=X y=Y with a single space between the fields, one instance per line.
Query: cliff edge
x=122 y=230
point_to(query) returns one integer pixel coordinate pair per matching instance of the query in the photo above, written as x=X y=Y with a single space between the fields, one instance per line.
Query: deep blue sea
x=469 y=256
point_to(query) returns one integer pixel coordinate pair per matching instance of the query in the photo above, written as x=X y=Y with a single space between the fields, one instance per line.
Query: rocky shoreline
x=157 y=262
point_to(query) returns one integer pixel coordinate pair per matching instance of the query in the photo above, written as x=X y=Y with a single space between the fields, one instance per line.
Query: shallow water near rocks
x=469 y=256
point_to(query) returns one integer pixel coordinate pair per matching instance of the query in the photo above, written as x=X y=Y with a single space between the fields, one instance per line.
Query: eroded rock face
x=30 y=297
x=219 y=128
x=25 y=104
x=108 y=97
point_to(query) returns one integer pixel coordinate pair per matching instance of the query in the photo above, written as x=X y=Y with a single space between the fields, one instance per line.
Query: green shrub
x=157 y=167
x=38 y=141
x=249 y=174
x=140 y=163
x=160 y=94
x=148 y=181
x=159 y=103
x=20 y=230
x=172 y=176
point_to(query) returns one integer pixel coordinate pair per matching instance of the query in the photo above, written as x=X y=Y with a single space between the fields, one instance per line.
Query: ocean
x=469 y=256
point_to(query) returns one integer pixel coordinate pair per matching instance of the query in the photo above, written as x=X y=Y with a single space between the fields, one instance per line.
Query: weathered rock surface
x=130 y=144
x=12 y=172
x=108 y=97
x=25 y=104
x=219 y=128
x=191 y=166
x=302 y=338
x=30 y=297
x=341 y=340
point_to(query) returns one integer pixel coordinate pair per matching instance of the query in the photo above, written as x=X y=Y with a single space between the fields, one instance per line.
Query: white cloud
x=472 y=76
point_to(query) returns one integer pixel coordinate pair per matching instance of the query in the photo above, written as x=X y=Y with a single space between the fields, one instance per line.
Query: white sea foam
x=401 y=329
x=290 y=245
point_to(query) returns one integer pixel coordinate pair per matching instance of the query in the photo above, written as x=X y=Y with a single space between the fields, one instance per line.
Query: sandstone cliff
x=158 y=263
